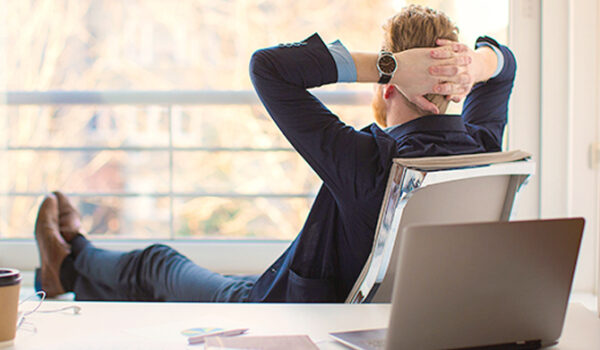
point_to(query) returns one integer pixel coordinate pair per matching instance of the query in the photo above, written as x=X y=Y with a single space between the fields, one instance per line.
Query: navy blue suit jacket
x=323 y=262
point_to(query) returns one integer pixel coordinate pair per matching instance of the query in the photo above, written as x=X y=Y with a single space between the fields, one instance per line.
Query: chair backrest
x=484 y=191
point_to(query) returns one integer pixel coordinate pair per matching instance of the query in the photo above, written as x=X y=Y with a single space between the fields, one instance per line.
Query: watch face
x=386 y=64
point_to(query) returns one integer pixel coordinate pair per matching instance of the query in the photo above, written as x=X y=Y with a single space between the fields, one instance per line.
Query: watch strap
x=384 y=78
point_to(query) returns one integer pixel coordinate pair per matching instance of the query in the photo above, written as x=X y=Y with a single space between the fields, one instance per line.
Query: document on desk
x=288 y=342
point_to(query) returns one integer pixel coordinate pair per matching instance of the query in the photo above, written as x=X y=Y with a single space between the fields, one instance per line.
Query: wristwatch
x=386 y=65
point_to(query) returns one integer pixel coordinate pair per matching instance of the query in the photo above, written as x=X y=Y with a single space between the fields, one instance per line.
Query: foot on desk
x=52 y=248
x=69 y=218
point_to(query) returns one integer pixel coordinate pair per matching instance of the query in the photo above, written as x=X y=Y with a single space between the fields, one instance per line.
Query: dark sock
x=68 y=273
x=78 y=244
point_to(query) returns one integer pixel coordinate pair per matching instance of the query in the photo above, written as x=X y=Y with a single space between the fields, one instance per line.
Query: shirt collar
x=428 y=123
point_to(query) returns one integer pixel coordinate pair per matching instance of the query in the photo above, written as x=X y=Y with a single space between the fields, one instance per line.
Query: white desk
x=157 y=325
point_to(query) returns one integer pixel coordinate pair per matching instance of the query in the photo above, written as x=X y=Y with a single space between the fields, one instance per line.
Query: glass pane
x=216 y=217
x=243 y=126
x=161 y=45
x=106 y=171
x=102 y=217
x=187 y=44
x=243 y=172
x=225 y=127
x=101 y=173
x=81 y=126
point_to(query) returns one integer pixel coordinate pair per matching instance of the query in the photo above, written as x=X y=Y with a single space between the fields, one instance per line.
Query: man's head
x=415 y=26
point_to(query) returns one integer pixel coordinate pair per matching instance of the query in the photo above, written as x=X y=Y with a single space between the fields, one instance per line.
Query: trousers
x=156 y=273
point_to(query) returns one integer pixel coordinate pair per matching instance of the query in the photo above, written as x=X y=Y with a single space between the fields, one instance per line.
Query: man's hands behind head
x=444 y=70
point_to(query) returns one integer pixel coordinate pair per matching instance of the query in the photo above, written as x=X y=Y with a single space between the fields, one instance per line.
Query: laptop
x=500 y=285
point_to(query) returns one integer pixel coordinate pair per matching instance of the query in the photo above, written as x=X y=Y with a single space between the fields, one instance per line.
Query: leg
x=52 y=248
x=157 y=273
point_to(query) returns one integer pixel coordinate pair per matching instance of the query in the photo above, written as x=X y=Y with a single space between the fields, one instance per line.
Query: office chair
x=438 y=190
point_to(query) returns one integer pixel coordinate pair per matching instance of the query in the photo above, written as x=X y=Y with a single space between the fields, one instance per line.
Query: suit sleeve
x=341 y=156
x=485 y=109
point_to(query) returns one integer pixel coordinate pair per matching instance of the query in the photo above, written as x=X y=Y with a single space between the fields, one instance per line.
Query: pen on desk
x=198 y=339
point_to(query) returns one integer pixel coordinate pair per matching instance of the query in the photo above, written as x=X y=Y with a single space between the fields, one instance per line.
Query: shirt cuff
x=499 y=56
x=343 y=61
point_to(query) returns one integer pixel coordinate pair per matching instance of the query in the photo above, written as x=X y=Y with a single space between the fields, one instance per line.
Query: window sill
x=227 y=257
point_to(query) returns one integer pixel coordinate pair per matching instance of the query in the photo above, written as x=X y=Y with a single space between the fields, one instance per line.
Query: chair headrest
x=463 y=160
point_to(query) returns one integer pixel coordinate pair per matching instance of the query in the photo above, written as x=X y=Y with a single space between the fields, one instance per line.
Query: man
x=325 y=259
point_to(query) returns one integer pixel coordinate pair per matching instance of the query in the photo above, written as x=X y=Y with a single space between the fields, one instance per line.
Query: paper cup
x=10 y=282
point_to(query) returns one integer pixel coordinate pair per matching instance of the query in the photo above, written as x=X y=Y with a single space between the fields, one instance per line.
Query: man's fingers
x=464 y=79
x=449 y=89
x=462 y=61
x=442 y=52
x=442 y=42
x=443 y=71
x=443 y=89
x=425 y=105
x=449 y=51
x=452 y=74
x=456 y=46
x=455 y=98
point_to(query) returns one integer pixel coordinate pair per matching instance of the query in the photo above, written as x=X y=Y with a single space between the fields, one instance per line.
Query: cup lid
x=9 y=277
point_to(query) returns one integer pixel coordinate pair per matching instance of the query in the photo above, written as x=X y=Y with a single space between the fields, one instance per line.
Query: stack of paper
x=288 y=342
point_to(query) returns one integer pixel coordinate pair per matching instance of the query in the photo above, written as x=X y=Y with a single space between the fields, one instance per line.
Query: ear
x=388 y=91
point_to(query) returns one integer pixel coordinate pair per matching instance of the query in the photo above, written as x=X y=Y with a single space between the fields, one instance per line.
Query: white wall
x=597 y=165
x=554 y=108
x=569 y=117
x=555 y=113
x=583 y=116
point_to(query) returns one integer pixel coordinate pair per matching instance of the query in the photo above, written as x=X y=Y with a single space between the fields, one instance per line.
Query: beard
x=379 y=109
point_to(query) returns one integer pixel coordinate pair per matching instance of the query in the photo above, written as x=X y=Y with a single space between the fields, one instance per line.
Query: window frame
x=248 y=256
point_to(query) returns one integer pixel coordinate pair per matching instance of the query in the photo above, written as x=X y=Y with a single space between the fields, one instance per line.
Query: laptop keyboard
x=375 y=343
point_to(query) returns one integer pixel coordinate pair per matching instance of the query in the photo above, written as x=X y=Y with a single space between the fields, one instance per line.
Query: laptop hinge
x=522 y=345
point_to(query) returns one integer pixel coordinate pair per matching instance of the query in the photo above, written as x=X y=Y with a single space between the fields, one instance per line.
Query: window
x=143 y=111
